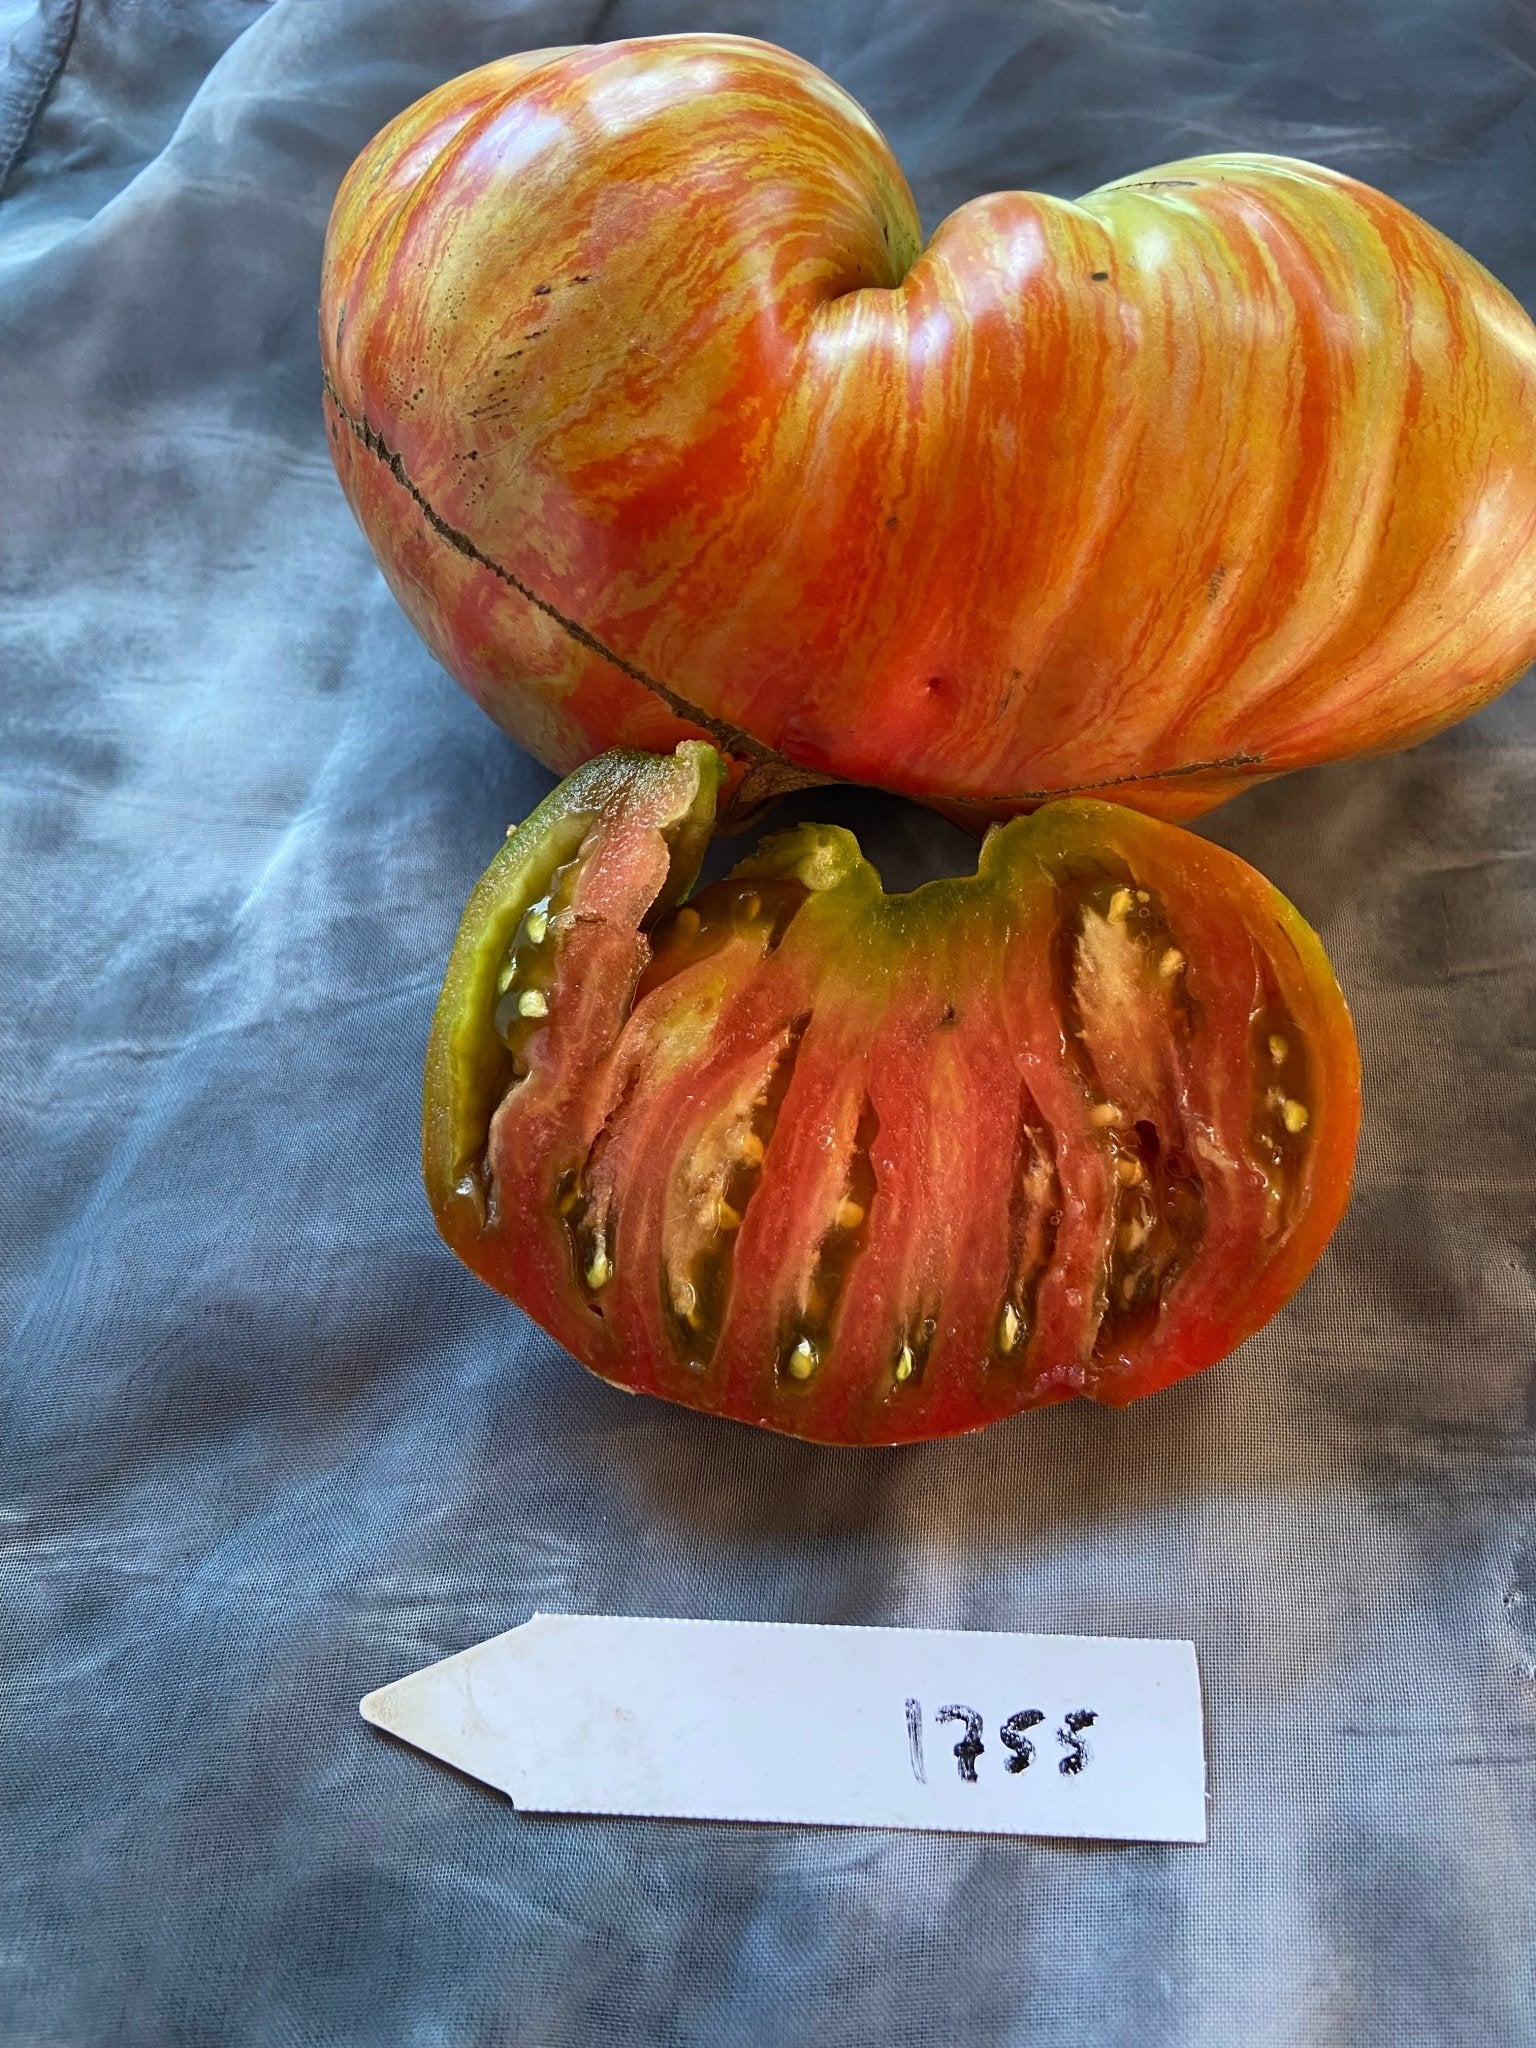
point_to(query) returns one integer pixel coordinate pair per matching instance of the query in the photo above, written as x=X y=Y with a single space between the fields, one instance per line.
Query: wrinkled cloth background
x=263 y=1444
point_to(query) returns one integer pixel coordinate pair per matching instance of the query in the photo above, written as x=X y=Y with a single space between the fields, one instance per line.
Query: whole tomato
x=664 y=422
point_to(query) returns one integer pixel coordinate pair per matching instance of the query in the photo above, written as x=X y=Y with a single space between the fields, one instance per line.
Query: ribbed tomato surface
x=662 y=420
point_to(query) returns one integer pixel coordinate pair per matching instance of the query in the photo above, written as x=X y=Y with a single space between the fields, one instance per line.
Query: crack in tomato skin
x=767 y=772
x=868 y=1168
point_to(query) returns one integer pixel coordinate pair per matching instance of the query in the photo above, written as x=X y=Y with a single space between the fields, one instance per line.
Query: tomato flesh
x=869 y=1168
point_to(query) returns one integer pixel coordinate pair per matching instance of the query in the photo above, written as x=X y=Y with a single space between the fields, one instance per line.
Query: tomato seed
x=802 y=1360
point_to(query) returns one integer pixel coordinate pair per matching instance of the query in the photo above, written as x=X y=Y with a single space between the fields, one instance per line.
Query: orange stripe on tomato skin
x=1368 y=455
x=1406 y=593
x=1308 y=448
x=688 y=293
x=1111 y=637
x=908 y=689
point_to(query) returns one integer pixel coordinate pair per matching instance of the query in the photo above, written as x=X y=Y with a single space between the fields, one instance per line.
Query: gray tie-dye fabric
x=264 y=1445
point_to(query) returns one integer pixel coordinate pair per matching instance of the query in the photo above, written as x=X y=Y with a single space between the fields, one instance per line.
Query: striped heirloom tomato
x=663 y=421
x=871 y=1168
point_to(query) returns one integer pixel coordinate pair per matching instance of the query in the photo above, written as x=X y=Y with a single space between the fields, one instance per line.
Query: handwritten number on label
x=915 y=1740
x=1014 y=1738
x=970 y=1745
x=1069 y=1735
x=1011 y=1734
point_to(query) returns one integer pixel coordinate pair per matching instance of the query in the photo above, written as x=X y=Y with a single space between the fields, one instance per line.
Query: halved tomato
x=871 y=1168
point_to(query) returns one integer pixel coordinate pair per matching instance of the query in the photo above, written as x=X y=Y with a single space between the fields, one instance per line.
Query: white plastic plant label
x=834 y=1727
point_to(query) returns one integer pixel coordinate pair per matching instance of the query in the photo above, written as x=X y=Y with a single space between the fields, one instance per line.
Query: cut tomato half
x=869 y=1168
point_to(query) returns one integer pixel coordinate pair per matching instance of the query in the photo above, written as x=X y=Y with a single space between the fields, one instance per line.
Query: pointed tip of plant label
x=459 y=1709
x=435 y=1711
x=381 y=1707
